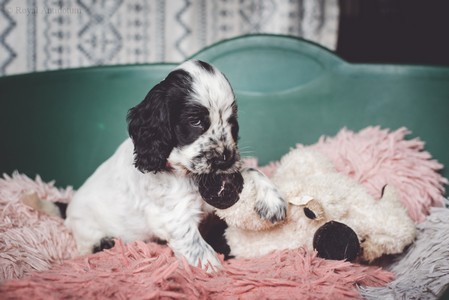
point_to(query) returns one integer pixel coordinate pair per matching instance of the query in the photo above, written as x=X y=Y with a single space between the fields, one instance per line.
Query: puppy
x=185 y=128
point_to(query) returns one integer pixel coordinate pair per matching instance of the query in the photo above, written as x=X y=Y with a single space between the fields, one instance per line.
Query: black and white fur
x=186 y=126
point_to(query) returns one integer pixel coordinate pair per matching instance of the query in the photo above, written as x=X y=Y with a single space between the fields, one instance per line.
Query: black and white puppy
x=185 y=127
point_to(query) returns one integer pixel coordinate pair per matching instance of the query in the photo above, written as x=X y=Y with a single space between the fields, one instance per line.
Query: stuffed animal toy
x=326 y=211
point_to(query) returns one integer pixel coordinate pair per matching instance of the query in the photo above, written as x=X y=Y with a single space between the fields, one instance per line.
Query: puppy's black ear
x=150 y=129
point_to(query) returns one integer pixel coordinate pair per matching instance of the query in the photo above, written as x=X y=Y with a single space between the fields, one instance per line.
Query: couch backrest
x=63 y=124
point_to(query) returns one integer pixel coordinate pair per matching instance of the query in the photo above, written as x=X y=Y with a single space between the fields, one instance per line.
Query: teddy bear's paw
x=271 y=206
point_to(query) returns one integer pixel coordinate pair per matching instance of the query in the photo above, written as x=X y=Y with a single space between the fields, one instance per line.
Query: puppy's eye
x=196 y=123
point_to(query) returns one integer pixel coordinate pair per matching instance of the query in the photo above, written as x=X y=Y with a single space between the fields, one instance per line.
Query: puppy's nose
x=224 y=161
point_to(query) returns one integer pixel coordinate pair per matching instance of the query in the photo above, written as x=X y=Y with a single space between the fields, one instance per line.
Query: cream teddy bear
x=326 y=211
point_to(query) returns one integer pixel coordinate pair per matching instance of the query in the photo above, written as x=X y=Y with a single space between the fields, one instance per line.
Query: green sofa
x=63 y=124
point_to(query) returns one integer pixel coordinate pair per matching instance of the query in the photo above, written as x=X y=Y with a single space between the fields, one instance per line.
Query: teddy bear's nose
x=335 y=240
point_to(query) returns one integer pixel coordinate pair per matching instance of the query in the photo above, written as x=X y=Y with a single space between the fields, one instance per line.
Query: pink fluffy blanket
x=37 y=253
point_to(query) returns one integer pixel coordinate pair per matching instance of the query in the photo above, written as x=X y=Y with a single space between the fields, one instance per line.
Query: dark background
x=394 y=31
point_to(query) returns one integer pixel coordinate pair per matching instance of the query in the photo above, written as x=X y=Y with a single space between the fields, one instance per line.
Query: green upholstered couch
x=63 y=124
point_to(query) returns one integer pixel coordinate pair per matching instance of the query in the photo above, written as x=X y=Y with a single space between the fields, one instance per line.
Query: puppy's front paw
x=202 y=255
x=210 y=262
x=270 y=205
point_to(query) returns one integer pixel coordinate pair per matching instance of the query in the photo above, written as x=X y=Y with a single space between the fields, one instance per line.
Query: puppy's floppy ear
x=150 y=129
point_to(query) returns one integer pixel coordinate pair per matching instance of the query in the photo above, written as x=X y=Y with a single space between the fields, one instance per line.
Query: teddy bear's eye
x=309 y=213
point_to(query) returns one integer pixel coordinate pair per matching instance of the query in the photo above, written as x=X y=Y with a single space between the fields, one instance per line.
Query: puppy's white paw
x=210 y=262
x=269 y=203
x=202 y=255
x=271 y=207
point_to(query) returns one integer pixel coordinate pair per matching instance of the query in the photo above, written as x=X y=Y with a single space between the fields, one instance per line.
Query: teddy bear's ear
x=311 y=207
x=335 y=240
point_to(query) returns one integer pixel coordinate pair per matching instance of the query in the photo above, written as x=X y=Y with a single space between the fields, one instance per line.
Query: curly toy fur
x=307 y=179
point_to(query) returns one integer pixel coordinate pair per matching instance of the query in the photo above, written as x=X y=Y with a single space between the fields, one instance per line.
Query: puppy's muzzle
x=224 y=161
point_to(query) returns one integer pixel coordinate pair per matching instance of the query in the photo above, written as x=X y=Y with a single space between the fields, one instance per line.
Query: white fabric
x=37 y=35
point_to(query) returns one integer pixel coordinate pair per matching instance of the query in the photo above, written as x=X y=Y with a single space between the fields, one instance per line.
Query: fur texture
x=150 y=271
x=318 y=194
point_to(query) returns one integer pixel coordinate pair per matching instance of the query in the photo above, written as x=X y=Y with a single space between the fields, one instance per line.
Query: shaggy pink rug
x=31 y=242
x=147 y=271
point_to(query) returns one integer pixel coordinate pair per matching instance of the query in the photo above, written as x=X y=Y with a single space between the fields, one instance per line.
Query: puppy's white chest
x=166 y=203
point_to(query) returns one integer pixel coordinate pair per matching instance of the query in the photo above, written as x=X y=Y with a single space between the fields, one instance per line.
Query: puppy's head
x=187 y=122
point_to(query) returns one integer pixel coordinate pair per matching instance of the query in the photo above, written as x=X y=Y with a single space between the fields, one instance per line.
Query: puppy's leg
x=105 y=243
x=89 y=239
x=187 y=241
x=269 y=204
